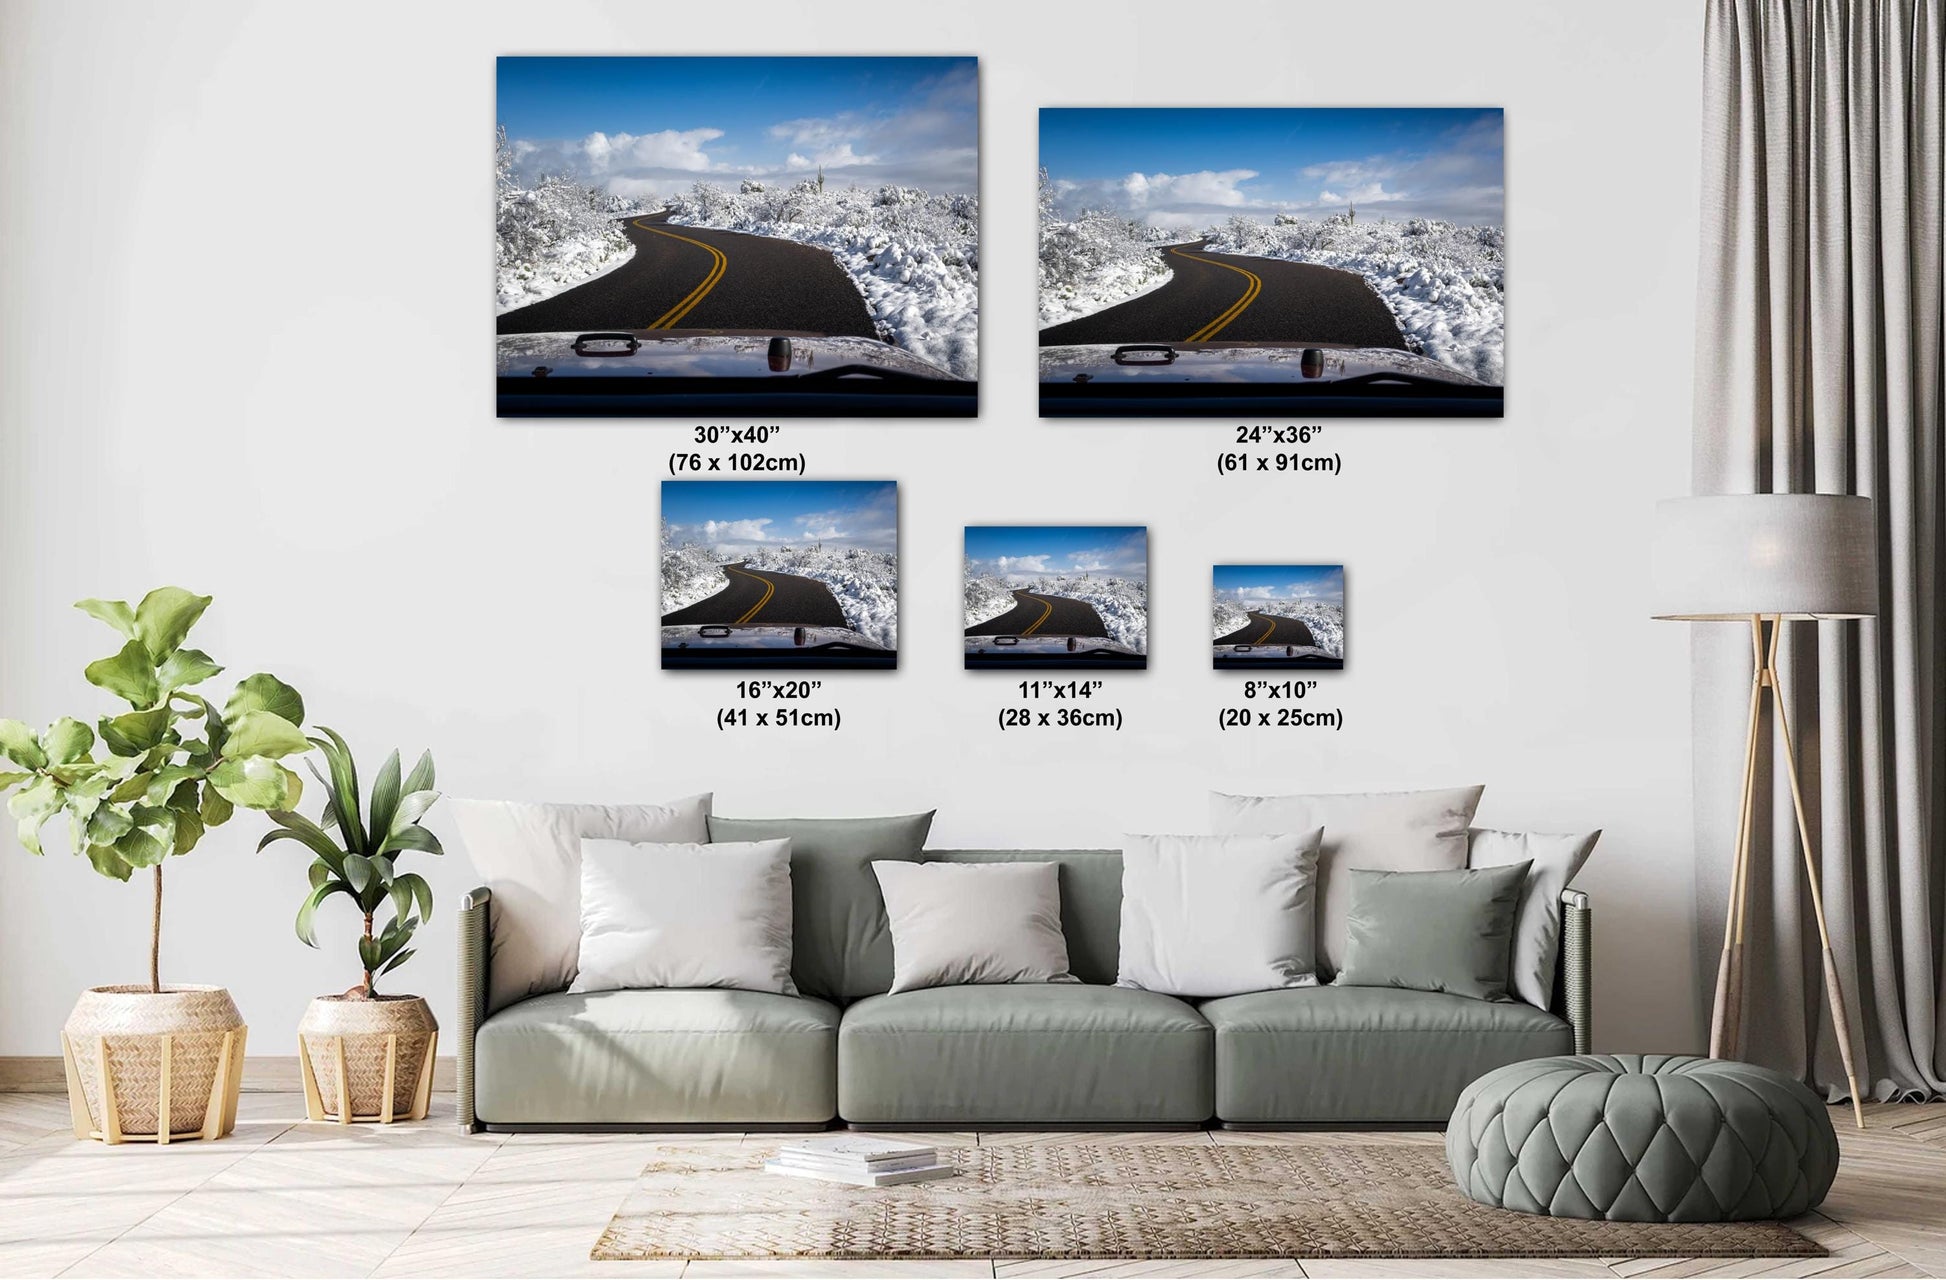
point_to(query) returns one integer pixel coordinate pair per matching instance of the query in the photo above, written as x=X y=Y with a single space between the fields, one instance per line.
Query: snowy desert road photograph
x=1323 y=262
x=1279 y=615
x=780 y=235
x=786 y=574
x=1057 y=596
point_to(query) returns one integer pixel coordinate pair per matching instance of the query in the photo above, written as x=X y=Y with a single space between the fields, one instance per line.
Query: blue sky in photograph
x=1324 y=583
x=734 y=516
x=1184 y=166
x=1033 y=550
x=643 y=127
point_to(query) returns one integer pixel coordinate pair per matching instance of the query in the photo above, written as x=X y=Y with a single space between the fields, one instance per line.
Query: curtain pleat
x=1819 y=370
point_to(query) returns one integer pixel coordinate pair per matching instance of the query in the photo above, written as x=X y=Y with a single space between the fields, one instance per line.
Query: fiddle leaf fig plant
x=360 y=861
x=170 y=767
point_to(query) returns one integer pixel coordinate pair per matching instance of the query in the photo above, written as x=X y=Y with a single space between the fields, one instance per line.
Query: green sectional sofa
x=1087 y=1054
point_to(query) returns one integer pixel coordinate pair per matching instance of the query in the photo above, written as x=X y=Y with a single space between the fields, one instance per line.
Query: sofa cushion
x=843 y=944
x=658 y=1057
x=1342 y=1054
x=1055 y=1054
x=1091 y=901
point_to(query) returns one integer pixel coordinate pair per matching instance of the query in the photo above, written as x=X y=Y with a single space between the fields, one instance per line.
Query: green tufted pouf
x=1642 y=1138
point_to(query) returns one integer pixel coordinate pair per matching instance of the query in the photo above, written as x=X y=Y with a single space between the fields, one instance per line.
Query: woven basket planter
x=377 y=1050
x=148 y=1066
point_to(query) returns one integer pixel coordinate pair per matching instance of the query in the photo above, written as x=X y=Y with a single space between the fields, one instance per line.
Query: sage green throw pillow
x=1450 y=931
x=843 y=946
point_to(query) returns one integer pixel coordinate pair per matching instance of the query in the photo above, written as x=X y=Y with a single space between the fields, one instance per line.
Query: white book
x=891 y=1164
x=857 y=1149
x=862 y=1179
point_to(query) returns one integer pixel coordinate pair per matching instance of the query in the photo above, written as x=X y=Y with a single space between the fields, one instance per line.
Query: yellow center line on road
x=1237 y=308
x=770 y=589
x=1047 y=611
x=1268 y=628
x=718 y=265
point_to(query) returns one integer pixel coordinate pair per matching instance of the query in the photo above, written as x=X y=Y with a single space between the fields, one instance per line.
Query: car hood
x=1046 y=645
x=694 y=354
x=764 y=638
x=1270 y=652
x=1315 y=364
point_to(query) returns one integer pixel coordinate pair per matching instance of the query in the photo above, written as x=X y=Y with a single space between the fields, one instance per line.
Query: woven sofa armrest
x=475 y=932
x=1574 y=975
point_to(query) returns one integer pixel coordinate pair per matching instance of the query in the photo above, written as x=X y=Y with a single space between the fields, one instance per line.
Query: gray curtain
x=1818 y=369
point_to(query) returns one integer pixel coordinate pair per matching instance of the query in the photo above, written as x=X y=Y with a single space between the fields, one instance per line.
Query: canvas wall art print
x=783 y=574
x=1270 y=616
x=758 y=237
x=1057 y=597
x=1290 y=262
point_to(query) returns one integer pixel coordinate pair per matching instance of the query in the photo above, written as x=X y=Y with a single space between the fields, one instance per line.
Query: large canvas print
x=1057 y=597
x=1267 y=616
x=1303 y=262
x=748 y=237
x=785 y=574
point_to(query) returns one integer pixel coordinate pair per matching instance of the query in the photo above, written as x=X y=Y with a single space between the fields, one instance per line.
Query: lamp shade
x=1793 y=555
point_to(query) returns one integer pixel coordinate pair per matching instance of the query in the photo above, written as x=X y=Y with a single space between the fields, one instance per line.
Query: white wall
x=244 y=347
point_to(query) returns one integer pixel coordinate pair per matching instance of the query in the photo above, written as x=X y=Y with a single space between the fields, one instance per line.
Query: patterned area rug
x=1100 y=1200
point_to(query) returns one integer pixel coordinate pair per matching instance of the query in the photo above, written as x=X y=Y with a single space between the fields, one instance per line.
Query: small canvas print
x=1266 y=616
x=688 y=236
x=1296 y=261
x=786 y=574
x=1063 y=597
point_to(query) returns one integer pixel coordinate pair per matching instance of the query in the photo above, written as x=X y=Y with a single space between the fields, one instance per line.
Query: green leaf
x=134 y=732
x=164 y=618
x=170 y=779
x=133 y=788
x=9 y=779
x=20 y=745
x=264 y=733
x=415 y=838
x=295 y=826
x=69 y=775
x=215 y=810
x=141 y=847
x=396 y=961
x=368 y=953
x=385 y=796
x=420 y=890
x=32 y=807
x=344 y=789
x=129 y=675
x=185 y=667
x=189 y=829
x=420 y=779
x=67 y=740
x=265 y=692
x=115 y=613
x=360 y=873
x=256 y=782
x=108 y=860
x=108 y=824
x=307 y=914
x=321 y=872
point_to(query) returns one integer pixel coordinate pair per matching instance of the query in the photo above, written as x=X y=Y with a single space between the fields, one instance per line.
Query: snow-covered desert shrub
x=1445 y=284
x=1095 y=260
x=690 y=572
x=552 y=235
x=914 y=254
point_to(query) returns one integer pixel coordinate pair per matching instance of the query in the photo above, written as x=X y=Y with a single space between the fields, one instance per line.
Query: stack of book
x=860 y=1161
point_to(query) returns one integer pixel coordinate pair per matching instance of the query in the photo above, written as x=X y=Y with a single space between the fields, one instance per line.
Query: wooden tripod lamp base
x=1768 y=559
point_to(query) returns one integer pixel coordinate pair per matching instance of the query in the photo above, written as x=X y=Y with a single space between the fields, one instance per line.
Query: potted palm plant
x=152 y=1062
x=366 y=1056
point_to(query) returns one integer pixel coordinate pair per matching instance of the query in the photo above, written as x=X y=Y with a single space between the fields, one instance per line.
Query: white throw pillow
x=1207 y=916
x=959 y=924
x=1365 y=831
x=530 y=856
x=685 y=915
x=1555 y=858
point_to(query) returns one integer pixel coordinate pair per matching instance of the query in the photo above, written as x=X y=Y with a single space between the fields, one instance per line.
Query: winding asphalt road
x=1038 y=615
x=696 y=278
x=1221 y=297
x=1269 y=628
x=760 y=598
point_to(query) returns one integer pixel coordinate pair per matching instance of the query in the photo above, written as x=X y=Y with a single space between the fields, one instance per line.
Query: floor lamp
x=1765 y=559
